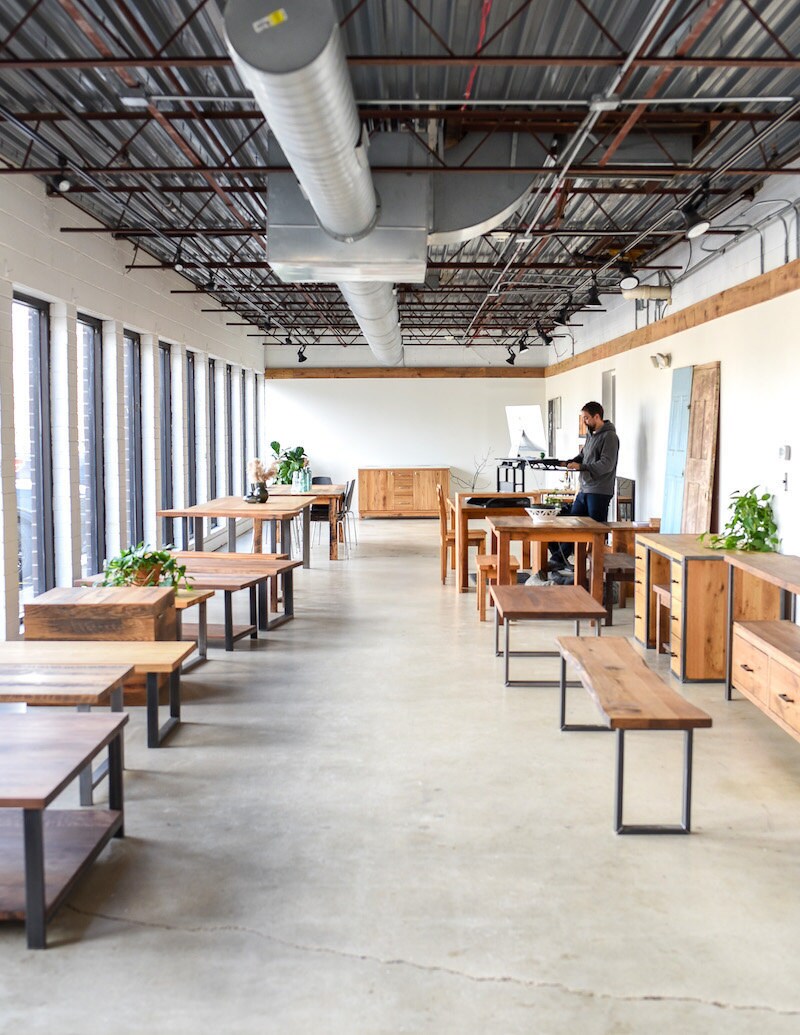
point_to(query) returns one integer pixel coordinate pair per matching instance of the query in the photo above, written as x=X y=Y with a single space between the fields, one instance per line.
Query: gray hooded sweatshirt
x=598 y=460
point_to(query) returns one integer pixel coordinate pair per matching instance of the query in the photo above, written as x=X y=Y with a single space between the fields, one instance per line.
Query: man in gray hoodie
x=597 y=463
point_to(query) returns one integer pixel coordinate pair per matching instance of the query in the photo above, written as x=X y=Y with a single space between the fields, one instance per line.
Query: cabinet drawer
x=675 y=650
x=784 y=694
x=676 y=581
x=749 y=668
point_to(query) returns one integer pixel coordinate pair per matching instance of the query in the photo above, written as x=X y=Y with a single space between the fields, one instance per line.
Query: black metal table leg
x=152 y=709
x=115 y=792
x=654 y=828
x=232 y=535
x=35 y=906
x=729 y=638
x=228 y=620
x=288 y=601
x=263 y=605
x=253 y=613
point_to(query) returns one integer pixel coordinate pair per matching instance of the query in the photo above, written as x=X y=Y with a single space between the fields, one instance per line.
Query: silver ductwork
x=295 y=65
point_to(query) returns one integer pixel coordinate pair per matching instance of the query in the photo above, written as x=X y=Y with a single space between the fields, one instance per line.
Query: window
x=165 y=410
x=33 y=463
x=91 y=482
x=229 y=430
x=213 y=483
x=191 y=429
x=256 y=417
x=132 y=387
x=243 y=426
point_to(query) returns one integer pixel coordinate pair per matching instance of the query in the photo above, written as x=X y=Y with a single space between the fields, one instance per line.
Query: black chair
x=321 y=512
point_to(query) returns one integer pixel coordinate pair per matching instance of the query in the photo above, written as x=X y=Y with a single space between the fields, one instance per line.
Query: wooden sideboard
x=388 y=492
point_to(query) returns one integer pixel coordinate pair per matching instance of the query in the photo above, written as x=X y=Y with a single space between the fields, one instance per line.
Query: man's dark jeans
x=586 y=504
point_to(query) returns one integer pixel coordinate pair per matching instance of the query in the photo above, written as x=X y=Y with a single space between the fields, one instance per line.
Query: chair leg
x=482 y=579
x=443 y=560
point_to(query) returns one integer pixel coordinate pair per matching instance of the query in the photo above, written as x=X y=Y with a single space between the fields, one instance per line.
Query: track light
x=301 y=355
x=696 y=224
x=178 y=263
x=628 y=279
x=512 y=359
x=565 y=311
x=593 y=301
x=523 y=342
x=62 y=182
x=546 y=338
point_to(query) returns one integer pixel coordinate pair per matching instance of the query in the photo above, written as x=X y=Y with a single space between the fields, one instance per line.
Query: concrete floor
x=359 y=830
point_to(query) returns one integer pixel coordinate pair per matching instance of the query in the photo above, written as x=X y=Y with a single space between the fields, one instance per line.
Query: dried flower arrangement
x=256 y=471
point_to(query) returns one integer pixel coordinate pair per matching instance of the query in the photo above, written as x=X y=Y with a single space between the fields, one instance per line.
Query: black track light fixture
x=178 y=263
x=593 y=299
x=523 y=342
x=627 y=278
x=62 y=182
x=546 y=338
x=301 y=355
x=512 y=359
x=696 y=223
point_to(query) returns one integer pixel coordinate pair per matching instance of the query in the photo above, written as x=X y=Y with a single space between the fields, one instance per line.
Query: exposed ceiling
x=636 y=109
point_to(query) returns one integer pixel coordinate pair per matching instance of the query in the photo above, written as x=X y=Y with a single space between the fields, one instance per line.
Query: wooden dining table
x=279 y=509
x=466 y=512
x=582 y=531
x=330 y=496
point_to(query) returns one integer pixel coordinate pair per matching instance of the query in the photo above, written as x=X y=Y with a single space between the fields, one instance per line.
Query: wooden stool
x=663 y=599
x=486 y=564
x=620 y=568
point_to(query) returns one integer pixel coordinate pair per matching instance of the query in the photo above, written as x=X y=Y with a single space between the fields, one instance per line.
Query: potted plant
x=751 y=525
x=288 y=462
x=141 y=566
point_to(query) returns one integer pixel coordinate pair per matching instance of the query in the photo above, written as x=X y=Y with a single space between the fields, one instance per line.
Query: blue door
x=676 y=449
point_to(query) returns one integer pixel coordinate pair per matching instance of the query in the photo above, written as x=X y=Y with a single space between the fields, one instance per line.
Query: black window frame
x=43 y=459
x=132 y=357
x=191 y=429
x=96 y=451
x=229 y=427
x=165 y=412
x=243 y=426
x=211 y=399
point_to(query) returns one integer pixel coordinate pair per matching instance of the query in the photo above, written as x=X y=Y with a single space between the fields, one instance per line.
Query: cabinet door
x=373 y=491
x=749 y=668
x=784 y=688
x=640 y=596
x=425 y=483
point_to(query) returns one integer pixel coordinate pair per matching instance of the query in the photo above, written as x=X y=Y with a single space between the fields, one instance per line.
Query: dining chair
x=320 y=512
x=447 y=534
x=346 y=520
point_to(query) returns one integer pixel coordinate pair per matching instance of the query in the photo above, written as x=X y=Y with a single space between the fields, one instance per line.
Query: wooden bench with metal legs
x=630 y=696
x=540 y=604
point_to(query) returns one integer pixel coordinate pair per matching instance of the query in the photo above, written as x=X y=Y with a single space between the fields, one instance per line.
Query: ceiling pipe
x=296 y=68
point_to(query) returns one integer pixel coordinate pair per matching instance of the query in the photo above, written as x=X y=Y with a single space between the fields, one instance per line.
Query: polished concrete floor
x=358 y=829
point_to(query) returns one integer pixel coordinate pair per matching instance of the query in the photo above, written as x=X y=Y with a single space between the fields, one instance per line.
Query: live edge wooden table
x=582 y=531
x=466 y=512
x=233 y=508
x=42 y=854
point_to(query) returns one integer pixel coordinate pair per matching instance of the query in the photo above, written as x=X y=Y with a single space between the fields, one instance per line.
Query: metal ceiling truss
x=184 y=175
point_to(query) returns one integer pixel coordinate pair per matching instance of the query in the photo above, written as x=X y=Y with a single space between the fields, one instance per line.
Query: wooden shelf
x=72 y=841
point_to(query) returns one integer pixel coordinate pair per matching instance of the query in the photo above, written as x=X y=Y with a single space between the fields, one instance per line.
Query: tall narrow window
x=213 y=481
x=243 y=426
x=132 y=374
x=191 y=429
x=165 y=410
x=256 y=417
x=229 y=430
x=33 y=463
x=91 y=481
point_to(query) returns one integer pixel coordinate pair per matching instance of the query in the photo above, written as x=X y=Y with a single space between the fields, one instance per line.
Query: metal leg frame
x=88 y=779
x=35 y=907
x=507 y=654
x=156 y=735
x=675 y=828
x=228 y=620
x=288 y=603
x=574 y=726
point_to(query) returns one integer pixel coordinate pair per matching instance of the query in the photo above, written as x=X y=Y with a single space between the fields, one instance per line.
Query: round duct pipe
x=650 y=292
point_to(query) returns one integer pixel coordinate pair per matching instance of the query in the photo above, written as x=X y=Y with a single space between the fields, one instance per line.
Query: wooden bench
x=540 y=604
x=148 y=658
x=630 y=696
x=276 y=569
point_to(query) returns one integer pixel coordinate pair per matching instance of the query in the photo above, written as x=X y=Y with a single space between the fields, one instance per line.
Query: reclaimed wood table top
x=680 y=547
x=545 y=603
x=146 y=599
x=142 y=655
x=41 y=752
x=184 y=597
x=630 y=696
x=277 y=509
x=37 y=682
x=542 y=525
x=317 y=491
x=778 y=568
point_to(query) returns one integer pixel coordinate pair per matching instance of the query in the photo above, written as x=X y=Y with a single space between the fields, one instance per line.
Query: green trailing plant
x=141 y=566
x=288 y=462
x=751 y=525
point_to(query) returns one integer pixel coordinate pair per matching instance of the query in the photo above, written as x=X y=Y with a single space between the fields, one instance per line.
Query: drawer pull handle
x=676 y=582
x=636 y=616
x=672 y=654
x=638 y=582
x=786 y=698
x=746 y=667
x=674 y=618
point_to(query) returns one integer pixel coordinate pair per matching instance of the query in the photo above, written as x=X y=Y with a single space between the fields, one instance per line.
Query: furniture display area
x=696 y=577
x=764 y=652
x=630 y=696
x=43 y=853
x=398 y=492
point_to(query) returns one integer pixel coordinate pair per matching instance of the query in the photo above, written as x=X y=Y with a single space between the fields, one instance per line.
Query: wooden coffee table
x=43 y=854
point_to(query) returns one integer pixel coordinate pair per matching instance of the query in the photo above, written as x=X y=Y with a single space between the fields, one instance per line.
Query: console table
x=396 y=492
x=764 y=654
x=42 y=854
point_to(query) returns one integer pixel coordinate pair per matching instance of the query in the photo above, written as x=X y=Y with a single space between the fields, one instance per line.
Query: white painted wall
x=760 y=374
x=348 y=423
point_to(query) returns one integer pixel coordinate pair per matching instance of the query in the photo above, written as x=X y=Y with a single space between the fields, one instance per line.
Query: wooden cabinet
x=697 y=577
x=766 y=669
x=401 y=491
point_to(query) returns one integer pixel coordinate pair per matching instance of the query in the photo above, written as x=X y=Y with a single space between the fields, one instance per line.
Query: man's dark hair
x=594 y=409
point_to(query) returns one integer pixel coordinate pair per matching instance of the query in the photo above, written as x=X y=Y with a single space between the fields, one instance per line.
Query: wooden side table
x=43 y=854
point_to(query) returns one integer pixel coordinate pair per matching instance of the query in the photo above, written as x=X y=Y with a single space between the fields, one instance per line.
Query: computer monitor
x=526 y=431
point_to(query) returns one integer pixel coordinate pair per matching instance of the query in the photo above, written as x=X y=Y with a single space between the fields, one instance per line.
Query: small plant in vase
x=259 y=476
x=751 y=525
x=141 y=566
